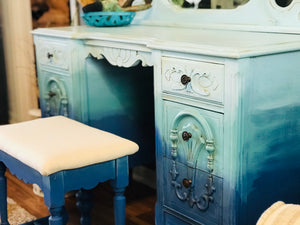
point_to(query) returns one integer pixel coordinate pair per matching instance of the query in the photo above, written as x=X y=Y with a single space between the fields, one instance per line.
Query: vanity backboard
x=254 y=15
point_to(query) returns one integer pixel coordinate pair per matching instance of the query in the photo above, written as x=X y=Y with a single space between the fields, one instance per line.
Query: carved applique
x=56 y=98
x=193 y=139
x=191 y=80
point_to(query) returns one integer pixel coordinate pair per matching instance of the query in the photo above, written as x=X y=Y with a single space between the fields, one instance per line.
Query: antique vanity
x=226 y=101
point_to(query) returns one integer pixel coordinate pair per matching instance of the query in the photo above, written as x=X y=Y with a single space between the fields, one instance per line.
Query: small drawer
x=194 y=202
x=199 y=123
x=197 y=79
x=53 y=54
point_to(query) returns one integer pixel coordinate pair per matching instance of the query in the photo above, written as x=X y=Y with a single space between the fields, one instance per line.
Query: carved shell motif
x=200 y=138
x=56 y=98
x=192 y=134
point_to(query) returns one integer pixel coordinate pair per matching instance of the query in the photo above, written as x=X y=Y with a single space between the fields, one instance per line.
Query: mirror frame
x=230 y=2
x=255 y=15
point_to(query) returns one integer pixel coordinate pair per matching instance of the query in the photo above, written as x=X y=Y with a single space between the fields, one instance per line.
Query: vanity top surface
x=222 y=43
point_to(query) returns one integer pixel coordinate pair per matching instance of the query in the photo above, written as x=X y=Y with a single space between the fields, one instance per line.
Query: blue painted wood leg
x=119 y=184
x=119 y=206
x=3 y=195
x=84 y=204
x=54 y=197
x=56 y=216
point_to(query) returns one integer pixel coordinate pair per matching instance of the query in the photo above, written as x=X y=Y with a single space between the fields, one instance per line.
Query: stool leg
x=56 y=216
x=119 y=206
x=119 y=184
x=54 y=197
x=84 y=204
x=3 y=195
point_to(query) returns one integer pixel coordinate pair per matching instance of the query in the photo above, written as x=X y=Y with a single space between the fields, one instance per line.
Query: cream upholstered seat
x=60 y=154
x=58 y=143
x=280 y=214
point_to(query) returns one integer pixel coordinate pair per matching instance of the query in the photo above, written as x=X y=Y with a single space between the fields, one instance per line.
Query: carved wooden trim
x=56 y=98
x=201 y=83
x=192 y=149
x=121 y=57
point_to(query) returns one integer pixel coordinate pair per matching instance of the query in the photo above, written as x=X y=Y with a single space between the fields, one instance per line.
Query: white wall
x=19 y=58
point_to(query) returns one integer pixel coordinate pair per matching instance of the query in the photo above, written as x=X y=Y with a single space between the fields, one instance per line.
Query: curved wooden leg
x=119 y=206
x=84 y=204
x=3 y=195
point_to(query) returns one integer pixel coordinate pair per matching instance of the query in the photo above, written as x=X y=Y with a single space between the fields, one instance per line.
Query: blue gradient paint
x=120 y=100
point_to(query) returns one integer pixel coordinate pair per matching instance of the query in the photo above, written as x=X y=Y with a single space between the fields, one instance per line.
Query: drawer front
x=173 y=220
x=203 y=127
x=55 y=95
x=193 y=162
x=201 y=200
x=201 y=80
x=53 y=54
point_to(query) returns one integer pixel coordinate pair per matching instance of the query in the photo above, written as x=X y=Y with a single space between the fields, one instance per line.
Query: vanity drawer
x=192 y=201
x=56 y=95
x=193 y=162
x=53 y=55
x=201 y=80
x=203 y=126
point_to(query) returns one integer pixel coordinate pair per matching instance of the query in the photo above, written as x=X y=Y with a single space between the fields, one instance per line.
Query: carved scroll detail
x=202 y=84
x=121 y=57
x=192 y=147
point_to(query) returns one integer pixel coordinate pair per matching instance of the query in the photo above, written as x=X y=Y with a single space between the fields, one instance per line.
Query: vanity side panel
x=159 y=137
x=233 y=185
x=79 y=55
x=270 y=133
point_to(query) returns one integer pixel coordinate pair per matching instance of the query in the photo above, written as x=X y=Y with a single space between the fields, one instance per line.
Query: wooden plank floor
x=140 y=201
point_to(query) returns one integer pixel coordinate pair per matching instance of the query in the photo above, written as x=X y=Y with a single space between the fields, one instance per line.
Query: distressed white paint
x=223 y=43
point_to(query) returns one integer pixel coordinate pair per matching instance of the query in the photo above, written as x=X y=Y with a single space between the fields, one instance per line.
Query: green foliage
x=178 y=2
x=111 y=5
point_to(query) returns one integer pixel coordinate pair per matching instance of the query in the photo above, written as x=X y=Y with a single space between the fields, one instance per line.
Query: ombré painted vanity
x=226 y=101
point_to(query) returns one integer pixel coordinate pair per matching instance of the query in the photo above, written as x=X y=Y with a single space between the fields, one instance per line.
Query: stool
x=280 y=213
x=60 y=155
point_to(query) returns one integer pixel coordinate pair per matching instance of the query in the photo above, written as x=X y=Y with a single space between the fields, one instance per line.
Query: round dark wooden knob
x=51 y=94
x=49 y=55
x=186 y=136
x=186 y=182
x=185 y=79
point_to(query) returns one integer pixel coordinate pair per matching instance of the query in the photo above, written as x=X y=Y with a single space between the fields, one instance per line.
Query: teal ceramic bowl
x=108 y=19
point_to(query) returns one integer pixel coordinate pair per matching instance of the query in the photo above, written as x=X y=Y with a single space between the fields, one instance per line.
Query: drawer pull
x=49 y=55
x=51 y=94
x=185 y=79
x=186 y=135
x=186 y=182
